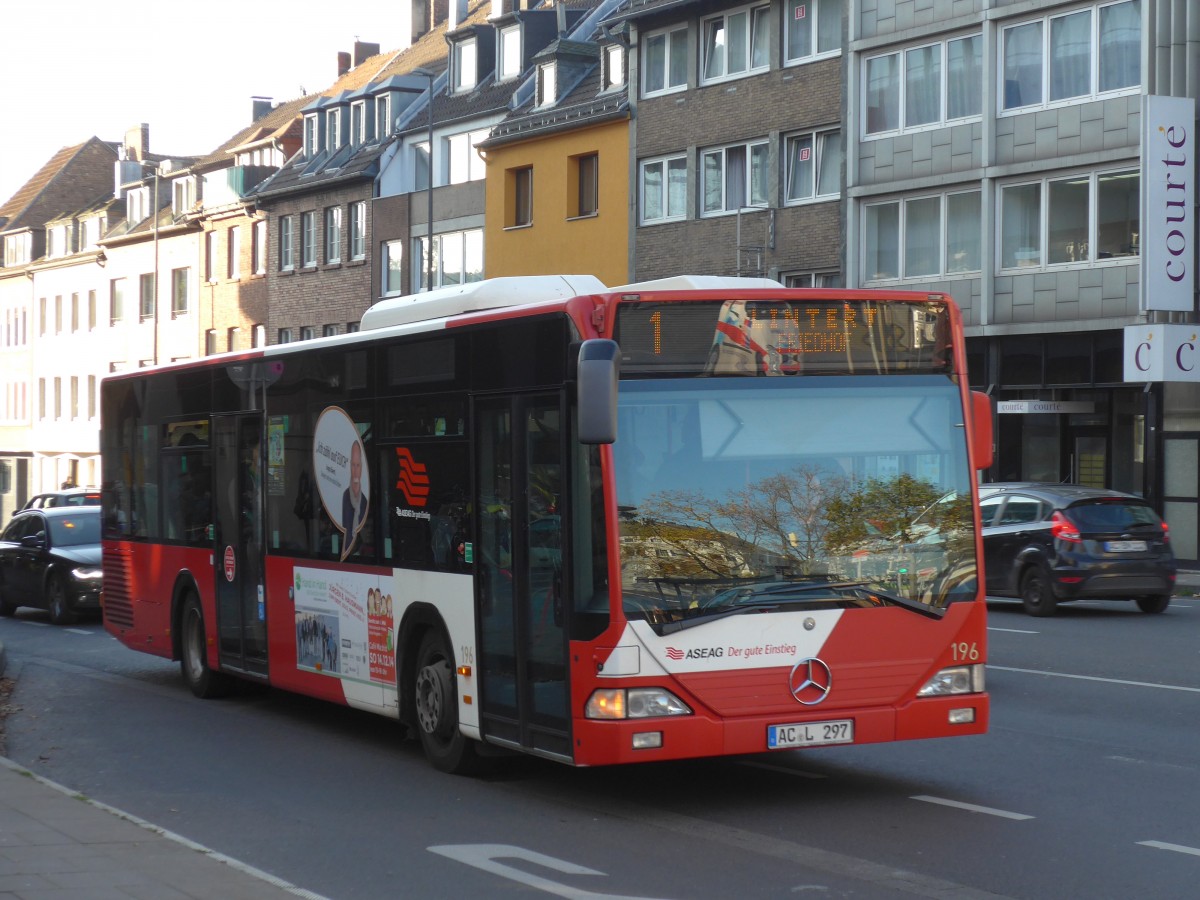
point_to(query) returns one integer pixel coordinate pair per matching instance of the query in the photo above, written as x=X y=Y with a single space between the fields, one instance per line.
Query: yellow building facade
x=559 y=203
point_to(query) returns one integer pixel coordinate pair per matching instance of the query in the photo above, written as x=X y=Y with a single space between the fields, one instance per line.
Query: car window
x=1109 y=516
x=74 y=530
x=987 y=509
x=1021 y=511
x=15 y=529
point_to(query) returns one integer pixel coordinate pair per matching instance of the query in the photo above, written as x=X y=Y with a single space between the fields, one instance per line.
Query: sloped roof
x=72 y=178
x=281 y=122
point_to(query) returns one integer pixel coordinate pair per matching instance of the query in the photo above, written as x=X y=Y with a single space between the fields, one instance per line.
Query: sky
x=74 y=69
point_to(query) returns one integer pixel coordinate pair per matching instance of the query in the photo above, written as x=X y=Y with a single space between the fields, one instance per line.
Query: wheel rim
x=431 y=696
x=58 y=604
x=193 y=644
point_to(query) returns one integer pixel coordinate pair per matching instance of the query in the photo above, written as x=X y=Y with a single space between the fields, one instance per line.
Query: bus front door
x=238 y=556
x=519 y=477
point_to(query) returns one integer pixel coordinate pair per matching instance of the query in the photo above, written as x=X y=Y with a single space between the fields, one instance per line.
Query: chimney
x=343 y=63
x=364 y=51
x=438 y=13
x=561 y=17
x=137 y=142
x=456 y=14
x=262 y=106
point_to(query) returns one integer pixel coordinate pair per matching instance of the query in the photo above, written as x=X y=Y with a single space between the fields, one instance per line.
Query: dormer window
x=137 y=205
x=358 y=123
x=333 y=119
x=547 y=84
x=89 y=232
x=510 y=53
x=465 y=65
x=58 y=240
x=17 y=249
x=312 y=136
x=614 y=67
x=183 y=195
x=383 y=116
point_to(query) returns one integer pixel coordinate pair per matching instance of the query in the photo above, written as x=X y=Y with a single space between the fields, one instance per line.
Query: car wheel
x=446 y=747
x=56 y=599
x=1036 y=593
x=1155 y=603
x=193 y=654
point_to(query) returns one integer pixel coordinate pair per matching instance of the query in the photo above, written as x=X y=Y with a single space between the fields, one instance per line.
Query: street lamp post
x=429 y=75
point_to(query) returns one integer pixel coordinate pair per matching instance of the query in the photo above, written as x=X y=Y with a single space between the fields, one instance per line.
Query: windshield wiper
x=775 y=595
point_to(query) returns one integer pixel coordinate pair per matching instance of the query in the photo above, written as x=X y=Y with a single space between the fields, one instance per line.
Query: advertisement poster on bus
x=344 y=625
x=343 y=480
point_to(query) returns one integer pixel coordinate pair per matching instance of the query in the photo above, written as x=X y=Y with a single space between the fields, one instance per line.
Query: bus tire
x=56 y=599
x=436 y=699
x=1036 y=593
x=193 y=658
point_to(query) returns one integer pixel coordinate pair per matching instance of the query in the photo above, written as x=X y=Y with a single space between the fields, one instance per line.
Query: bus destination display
x=783 y=337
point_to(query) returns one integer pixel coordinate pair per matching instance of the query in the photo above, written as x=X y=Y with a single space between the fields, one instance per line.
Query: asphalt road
x=1085 y=786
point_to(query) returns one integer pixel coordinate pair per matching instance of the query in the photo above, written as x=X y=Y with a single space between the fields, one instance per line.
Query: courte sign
x=1168 y=214
x=1162 y=352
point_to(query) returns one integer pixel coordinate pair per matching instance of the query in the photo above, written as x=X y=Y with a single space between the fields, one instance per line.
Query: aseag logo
x=412 y=481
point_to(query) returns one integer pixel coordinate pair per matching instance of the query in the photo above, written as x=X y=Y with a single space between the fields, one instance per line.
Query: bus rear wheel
x=446 y=747
x=193 y=653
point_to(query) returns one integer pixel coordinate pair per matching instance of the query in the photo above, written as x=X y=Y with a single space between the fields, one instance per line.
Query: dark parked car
x=50 y=559
x=1050 y=543
x=64 y=497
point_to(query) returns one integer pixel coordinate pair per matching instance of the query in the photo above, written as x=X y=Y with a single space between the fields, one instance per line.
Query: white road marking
x=79 y=631
x=971 y=807
x=1178 y=848
x=1165 y=687
x=1014 y=630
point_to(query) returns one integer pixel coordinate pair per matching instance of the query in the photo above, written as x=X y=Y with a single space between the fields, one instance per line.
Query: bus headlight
x=957 y=680
x=634 y=703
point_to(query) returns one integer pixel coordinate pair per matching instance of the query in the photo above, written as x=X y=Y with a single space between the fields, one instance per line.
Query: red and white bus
x=689 y=518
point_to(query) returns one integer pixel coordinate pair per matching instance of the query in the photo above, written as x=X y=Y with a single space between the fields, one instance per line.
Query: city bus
x=688 y=518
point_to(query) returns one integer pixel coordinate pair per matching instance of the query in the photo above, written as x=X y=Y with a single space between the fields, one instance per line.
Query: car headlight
x=87 y=575
x=634 y=703
x=956 y=680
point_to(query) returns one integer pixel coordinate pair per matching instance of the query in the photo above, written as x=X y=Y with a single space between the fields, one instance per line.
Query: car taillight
x=1166 y=533
x=1063 y=528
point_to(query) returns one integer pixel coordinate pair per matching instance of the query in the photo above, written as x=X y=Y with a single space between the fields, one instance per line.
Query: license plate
x=1125 y=546
x=810 y=734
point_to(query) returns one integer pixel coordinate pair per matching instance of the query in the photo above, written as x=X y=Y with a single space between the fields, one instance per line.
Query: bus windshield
x=759 y=493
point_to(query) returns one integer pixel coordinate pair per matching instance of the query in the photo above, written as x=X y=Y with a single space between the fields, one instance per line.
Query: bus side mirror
x=596 y=390
x=981 y=429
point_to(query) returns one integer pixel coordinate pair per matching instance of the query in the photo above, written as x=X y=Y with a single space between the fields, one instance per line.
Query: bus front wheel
x=446 y=747
x=193 y=655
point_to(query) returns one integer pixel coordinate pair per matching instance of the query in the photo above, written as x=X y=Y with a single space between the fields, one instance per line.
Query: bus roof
x=698 y=283
x=494 y=293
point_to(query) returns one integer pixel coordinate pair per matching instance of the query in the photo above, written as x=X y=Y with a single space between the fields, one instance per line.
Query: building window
x=311 y=136
x=258 y=238
x=328 y=330
x=308 y=239
x=813 y=29
x=183 y=195
x=74 y=408
x=735 y=177
x=924 y=86
x=465 y=66
x=92 y=311
x=333 y=234
x=179 y=290
x=613 y=66
x=91 y=396
x=735 y=43
x=137 y=205
x=333 y=122
x=74 y=312
x=233 y=253
x=547 y=84
x=393 y=274
x=586 y=171
x=664 y=189
x=814 y=166
x=358 y=229
x=922 y=237
x=665 y=62
x=1080 y=219
x=457 y=258
x=463 y=159
x=231 y=337
x=519 y=208
x=258 y=335
x=358 y=123
x=510 y=53
x=307 y=333
x=146 y=297
x=58 y=314
x=17 y=249
x=285 y=335
x=210 y=257
x=1072 y=57
x=383 y=116
x=116 y=300
x=812 y=279
x=287 y=252
x=210 y=341
x=58 y=400
x=353 y=327
x=422 y=166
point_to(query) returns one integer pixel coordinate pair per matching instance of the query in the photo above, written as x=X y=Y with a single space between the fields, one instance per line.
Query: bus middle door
x=238 y=557
x=520 y=581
